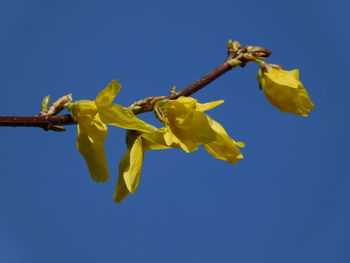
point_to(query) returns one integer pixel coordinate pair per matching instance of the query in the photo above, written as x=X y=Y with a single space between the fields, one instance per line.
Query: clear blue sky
x=287 y=201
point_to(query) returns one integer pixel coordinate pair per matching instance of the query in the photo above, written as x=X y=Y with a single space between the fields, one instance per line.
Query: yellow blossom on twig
x=284 y=90
x=187 y=126
x=92 y=117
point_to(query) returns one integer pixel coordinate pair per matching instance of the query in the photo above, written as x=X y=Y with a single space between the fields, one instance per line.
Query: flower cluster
x=186 y=127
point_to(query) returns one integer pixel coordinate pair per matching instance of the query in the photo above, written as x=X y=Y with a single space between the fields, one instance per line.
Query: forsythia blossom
x=187 y=126
x=284 y=90
x=92 y=117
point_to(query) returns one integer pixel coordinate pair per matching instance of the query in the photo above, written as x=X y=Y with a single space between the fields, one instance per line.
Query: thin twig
x=236 y=57
x=36 y=121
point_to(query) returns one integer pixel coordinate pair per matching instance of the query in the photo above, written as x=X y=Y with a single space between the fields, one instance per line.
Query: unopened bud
x=260 y=54
x=60 y=104
x=229 y=44
x=173 y=90
x=233 y=46
x=45 y=103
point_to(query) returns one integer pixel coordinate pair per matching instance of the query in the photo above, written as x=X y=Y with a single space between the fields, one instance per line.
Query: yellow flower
x=284 y=90
x=186 y=124
x=188 y=127
x=92 y=117
x=130 y=166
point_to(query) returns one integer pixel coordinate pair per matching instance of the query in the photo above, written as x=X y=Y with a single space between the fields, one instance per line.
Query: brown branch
x=45 y=122
x=210 y=77
x=147 y=104
x=236 y=57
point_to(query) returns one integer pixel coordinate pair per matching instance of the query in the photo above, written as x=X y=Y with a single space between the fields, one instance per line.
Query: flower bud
x=59 y=104
x=284 y=90
x=45 y=103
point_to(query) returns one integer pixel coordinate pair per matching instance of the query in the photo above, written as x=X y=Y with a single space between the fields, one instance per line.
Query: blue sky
x=287 y=201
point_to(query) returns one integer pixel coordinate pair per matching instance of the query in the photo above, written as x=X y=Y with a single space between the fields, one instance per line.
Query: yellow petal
x=217 y=127
x=117 y=115
x=280 y=77
x=154 y=140
x=185 y=126
x=224 y=147
x=132 y=173
x=294 y=73
x=188 y=101
x=209 y=105
x=289 y=100
x=200 y=131
x=220 y=130
x=180 y=137
x=179 y=112
x=86 y=108
x=90 y=143
x=121 y=191
x=108 y=94
x=169 y=137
